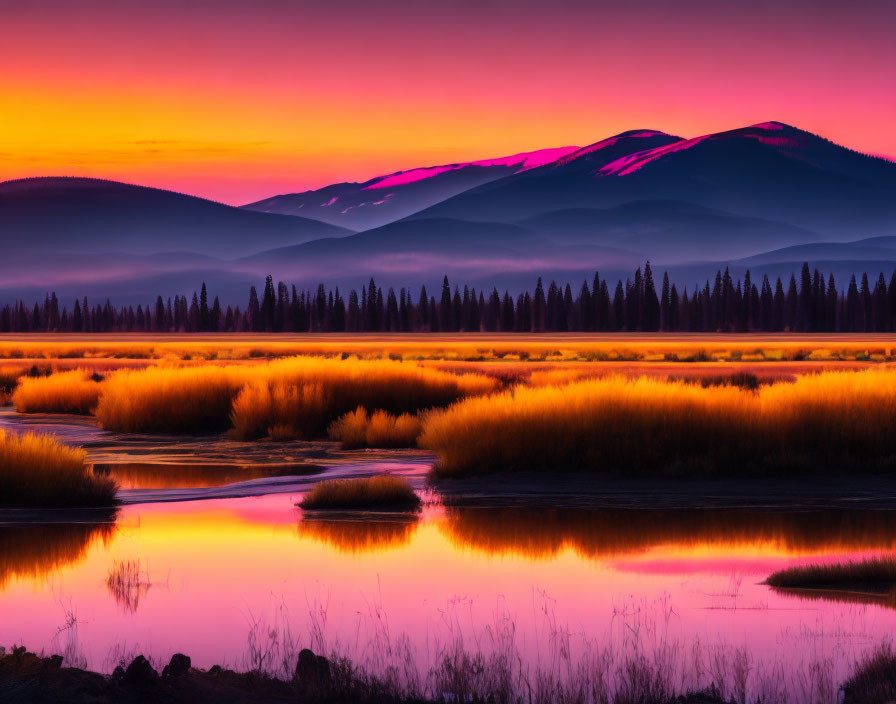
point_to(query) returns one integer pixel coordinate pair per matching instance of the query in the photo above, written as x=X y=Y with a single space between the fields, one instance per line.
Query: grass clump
x=38 y=470
x=295 y=398
x=874 y=574
x=168 y=400
x=384 y=491
x=874 y=679
x=76 y=391
x=818 y=423
x=358 y=429
x=308 y=394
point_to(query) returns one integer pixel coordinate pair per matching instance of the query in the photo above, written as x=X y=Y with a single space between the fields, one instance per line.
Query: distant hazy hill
x=89 y=215
x=765 y=197
x=385 y=199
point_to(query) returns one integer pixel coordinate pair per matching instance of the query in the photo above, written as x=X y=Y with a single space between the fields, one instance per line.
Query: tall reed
x=649 y=426
x=38 y=470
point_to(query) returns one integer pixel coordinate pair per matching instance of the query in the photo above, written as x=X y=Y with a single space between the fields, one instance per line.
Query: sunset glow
x=237 y=102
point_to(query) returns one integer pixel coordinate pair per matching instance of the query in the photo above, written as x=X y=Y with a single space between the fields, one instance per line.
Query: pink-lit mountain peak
x=772 y=133
x=519 y=162
x=609 y=142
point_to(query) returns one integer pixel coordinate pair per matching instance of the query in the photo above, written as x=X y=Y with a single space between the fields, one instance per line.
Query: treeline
x=810 y=304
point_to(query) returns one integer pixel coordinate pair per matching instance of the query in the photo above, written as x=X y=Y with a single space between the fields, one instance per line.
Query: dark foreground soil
x=27 y=678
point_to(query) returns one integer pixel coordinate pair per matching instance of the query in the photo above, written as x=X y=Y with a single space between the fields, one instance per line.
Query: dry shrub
x=358 y=429
x=309 y=393
x=381 y=491
x=64 y=392
x=38 y=470
x=168 y=400
x=650 y=426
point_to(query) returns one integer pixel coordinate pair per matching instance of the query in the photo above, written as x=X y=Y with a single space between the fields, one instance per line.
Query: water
x=222 y=554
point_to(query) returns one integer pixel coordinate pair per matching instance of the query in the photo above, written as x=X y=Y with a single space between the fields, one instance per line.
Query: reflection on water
x=361 y=534
x=33 y=550
x=839 y=596
x=134 y=475
x=192 y=576
x=544 y=532
x=128 y=584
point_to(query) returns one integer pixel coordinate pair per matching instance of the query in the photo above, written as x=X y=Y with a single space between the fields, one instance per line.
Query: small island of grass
x=874 y=575
x=383 y=492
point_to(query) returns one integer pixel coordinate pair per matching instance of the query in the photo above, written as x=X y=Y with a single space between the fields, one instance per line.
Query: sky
x=237 y=101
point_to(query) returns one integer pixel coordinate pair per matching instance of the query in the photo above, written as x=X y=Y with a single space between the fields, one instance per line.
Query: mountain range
x=765 y=197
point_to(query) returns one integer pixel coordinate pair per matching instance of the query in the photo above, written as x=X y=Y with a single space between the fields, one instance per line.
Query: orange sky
x=240 y=100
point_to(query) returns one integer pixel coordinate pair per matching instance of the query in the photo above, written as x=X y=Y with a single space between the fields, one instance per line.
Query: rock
x=140 y=672
x=54 y=662
x=312 y=669
x=179 y=665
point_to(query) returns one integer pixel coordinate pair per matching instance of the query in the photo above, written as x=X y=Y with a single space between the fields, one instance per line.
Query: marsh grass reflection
x=544 y=532
x=128 y=584
x=361 y=534
x=151 y=475
x=33 y=550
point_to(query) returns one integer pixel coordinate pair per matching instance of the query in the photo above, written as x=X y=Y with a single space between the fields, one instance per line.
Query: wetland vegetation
x=383 y=492
x=310 y=418
x=39 y=470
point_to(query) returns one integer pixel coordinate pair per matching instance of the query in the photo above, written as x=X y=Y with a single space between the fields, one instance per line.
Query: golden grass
x=687 y=348
x=305 y=395
x=873 y=574
x=285 y=399
x=65 y=392
x=38 y=470
x=358 y=429
x=168 y=400
x=384 y=491
x=650 y=426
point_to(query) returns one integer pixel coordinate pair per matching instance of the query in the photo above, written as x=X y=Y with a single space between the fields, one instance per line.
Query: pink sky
x=237 y=101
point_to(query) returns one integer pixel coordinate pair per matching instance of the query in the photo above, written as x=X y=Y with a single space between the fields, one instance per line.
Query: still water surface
x=239 y=559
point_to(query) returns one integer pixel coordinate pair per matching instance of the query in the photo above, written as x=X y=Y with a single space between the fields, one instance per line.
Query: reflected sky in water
x=210 y=530
x=213 y=567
